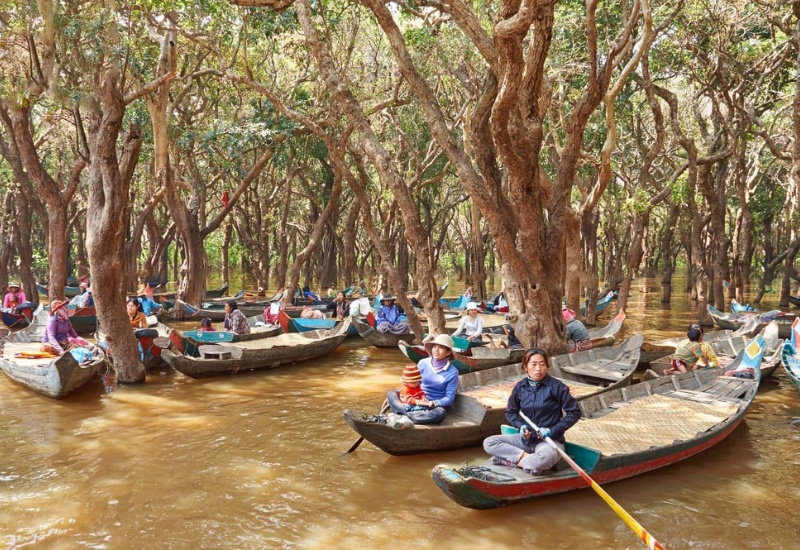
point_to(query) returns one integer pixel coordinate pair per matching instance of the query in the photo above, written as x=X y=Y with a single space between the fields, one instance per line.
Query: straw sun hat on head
x=55 y=305
x=472 y=306
x=388 y=298
x=443 y=340
x=13 y=284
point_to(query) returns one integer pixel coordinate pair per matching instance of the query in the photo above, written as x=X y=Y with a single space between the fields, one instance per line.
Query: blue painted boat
x=602 y=304
x=736 y=307
x=21 y=317
x=299 y=324
x=790 y=356
x=69 y=291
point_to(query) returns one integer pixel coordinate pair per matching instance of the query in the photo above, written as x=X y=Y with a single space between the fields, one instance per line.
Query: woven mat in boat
x=652 y=421
x=496 y=396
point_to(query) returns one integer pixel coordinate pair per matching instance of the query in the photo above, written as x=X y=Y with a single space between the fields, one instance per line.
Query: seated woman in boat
x=388 y=317
x=58 y=332
x=272 y=312
x=513 y=342
x=546 y=401
x=309 y=294
x=578 y=338
x=692 y=354
x=340 y=306
x=439 y=382
x=206 y=325
x=471 y=325
x=235 y=320
x=135 y=314
x=500 y=303
x=13 y=297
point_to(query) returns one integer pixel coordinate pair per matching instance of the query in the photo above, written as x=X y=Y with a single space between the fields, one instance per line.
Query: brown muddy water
x=258 y=461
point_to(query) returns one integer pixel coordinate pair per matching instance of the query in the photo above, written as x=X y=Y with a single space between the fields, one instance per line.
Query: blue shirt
x=549 y=405
x=148 y=305
x=440 y=387
x=390 y=314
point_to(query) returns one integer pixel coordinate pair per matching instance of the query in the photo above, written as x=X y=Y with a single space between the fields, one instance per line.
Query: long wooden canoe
x=607 y=335
x=379 y=339
x=299 y=324
x=791 y=356
x=794 y=300
x=69 y=290
x=188 y=342
x=652 y=351
x=147 y=340
x=52 y=376
x=267 y=353
x=470 y=360
x=728 y=349
x=623 y=433
x=602 y=303
x=21 y=317
x=480 y=403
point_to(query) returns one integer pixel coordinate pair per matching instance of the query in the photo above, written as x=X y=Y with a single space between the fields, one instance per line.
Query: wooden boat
x=734 y=321
x=378 y=339
x=652 y=351
x=602 y=303
x=150 y=340
x=736 y=307
x=623 y=433
x=22 y=316
x=791 y=356
x=291 y=325
x=480 y=403
x=69 y=291
x=53 y=376
x=470 y=360
x=728 y=349
x=217 y=292
x=214 y=311
x=188 y=342
x=83 y=319
x=267 y=353
x=730 y=321
x=794 y=300
x=607 y=335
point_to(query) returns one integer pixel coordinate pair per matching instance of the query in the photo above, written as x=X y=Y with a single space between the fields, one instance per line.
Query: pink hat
x=568 y=314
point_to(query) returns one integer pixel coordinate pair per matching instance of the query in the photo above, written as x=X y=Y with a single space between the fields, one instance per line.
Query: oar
x=384 y=408
x=635 y=526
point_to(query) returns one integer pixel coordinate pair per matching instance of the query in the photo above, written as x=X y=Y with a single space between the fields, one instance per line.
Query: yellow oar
x=635 y=526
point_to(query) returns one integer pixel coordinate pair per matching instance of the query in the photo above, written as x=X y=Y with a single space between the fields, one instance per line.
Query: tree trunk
x=109 y=182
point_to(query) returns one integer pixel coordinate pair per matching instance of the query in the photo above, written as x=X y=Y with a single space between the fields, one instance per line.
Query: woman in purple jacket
x=59 y=328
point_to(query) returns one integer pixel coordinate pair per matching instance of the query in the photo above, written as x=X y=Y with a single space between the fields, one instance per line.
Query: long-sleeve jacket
x=549 y=405
x=57 y=332
x=440 y=387
x=390 y=314
x=470 y=328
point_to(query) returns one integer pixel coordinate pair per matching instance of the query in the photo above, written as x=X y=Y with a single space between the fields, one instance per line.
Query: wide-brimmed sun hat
x=441 y=339
x=388 y=298
x=472 y=306
x=55 y=305
x=13 y=284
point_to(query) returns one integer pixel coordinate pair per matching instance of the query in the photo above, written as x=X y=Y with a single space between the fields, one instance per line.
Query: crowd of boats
x=626 y=428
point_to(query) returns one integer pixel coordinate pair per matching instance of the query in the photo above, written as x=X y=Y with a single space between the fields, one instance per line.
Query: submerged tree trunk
x=109 y=182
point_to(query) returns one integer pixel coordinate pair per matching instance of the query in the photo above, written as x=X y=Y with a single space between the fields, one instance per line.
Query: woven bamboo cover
x=653 y=421
x=496 y=395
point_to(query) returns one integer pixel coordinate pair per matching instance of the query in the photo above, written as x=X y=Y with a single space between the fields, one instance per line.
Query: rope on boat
x=484 y=474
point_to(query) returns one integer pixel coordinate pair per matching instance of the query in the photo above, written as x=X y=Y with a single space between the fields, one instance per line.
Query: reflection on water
x=258 y=461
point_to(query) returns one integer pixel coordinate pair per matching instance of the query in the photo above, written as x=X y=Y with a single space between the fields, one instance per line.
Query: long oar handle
x=635 y=526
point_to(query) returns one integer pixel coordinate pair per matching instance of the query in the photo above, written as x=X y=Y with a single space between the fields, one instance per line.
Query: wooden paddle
x=635 y=526
x=384 y=408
